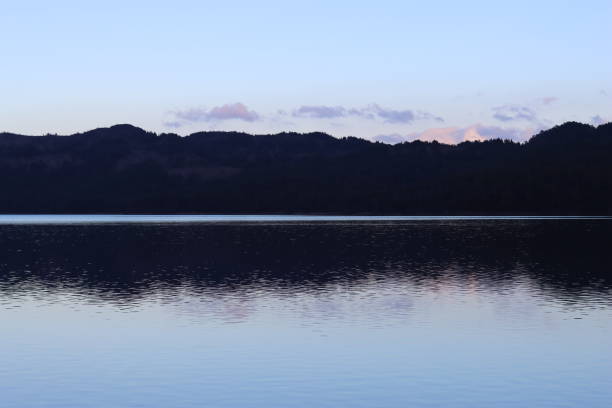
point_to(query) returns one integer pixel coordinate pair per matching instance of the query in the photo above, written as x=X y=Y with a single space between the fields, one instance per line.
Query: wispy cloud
x=364 y=113
x=370 y=112
x=393 y=115
x=509 y=113
x=320 y=112
x=234 y=111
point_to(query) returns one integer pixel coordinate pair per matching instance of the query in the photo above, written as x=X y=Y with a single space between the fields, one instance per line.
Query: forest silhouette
x=124 y=169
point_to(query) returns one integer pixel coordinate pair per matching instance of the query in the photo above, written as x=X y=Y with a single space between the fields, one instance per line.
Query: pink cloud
x=455 y=135
x=234 y=111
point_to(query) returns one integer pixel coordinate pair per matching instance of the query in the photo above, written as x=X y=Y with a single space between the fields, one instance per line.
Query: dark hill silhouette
x=564 y=170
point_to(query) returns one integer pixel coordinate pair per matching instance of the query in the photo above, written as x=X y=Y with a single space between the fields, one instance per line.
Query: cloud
x=234 y=111
x=449 y=135
x=370 y=112
x=485 y=132
x=320 y=112
x=365 y=113
x=547 y=100
x=399 y=116
x=425 y=115
x=455 y=135
x=238 y=111
x=394 y=116
x=474 y=133
x=597 y=120
x=507 y=113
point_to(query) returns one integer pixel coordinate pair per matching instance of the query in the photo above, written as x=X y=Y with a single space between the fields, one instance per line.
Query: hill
x=564 y=170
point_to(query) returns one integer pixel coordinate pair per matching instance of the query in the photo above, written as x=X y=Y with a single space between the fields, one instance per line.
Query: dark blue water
x=302 y=312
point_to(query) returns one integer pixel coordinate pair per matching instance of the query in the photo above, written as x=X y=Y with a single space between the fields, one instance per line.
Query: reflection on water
x=338 y=313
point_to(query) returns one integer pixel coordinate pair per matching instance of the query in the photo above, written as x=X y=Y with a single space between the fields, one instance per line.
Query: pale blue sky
x=453 y=69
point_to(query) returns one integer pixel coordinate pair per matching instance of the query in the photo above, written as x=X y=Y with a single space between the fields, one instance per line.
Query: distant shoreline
x=46 y=219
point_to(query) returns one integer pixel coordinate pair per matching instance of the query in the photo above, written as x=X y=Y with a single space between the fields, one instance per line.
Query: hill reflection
x=567 y=260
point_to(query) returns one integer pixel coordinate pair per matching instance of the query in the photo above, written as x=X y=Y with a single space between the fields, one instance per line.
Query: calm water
x=146 y=311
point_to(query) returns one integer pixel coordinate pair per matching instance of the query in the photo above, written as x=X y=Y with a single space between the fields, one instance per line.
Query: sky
x=384 y=70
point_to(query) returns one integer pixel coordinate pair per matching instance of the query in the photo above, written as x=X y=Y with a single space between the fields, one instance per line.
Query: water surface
x=279 y=311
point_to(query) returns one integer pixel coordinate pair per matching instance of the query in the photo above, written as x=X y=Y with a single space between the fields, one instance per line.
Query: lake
x=300 y=311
